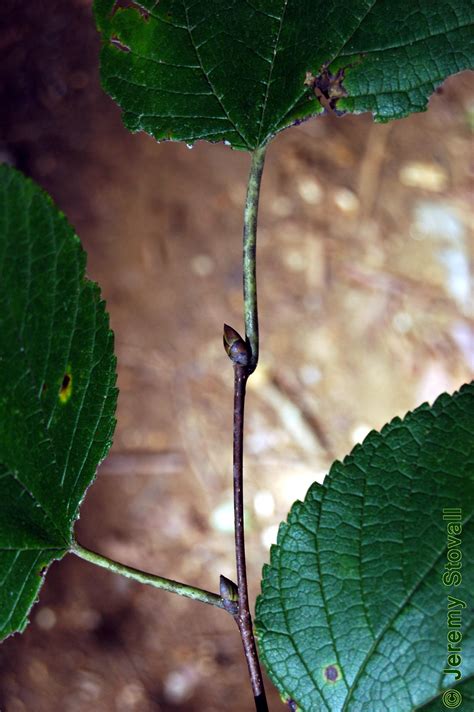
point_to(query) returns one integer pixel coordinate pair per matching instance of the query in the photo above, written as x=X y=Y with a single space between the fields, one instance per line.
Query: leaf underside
x=57 y=389
x=236 y=71
x=353 y=610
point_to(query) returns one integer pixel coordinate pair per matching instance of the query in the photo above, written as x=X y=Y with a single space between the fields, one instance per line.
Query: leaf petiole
x=182 y=589
x=249 y=254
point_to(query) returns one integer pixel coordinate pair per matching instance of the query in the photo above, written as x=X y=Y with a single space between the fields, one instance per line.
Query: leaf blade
x=21 y=581
x=57 y=388
x=360 y=562
x=188 y=71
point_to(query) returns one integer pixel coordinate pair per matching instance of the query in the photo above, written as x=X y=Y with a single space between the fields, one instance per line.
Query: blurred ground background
x=365 y=263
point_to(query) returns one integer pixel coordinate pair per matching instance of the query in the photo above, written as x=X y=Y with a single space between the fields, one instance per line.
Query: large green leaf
x=353 y=611
x=236 y=71
x=57 y=389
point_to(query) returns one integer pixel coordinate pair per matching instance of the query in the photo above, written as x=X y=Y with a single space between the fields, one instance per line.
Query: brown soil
x=361 y=319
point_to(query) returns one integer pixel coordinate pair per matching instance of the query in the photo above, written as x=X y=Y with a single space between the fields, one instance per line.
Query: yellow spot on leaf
x=65 y=391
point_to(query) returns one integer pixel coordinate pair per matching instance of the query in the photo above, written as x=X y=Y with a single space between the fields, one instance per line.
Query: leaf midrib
x=272 y=65
x=206 y=75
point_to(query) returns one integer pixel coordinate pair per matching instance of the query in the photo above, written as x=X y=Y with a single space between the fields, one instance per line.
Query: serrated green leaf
x=239 y=72
x=57 y=389
x=353 y=611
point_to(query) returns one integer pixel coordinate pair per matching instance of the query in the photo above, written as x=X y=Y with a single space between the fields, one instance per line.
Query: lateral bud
x=235 y=347
x=229 y=594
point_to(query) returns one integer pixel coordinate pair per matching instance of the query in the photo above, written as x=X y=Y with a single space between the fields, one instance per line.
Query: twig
x=244 y=355
x=243 y=617
x=182 y=589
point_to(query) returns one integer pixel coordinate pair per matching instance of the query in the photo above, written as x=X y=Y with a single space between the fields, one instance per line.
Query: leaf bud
x=229 y=594
x=235 y=347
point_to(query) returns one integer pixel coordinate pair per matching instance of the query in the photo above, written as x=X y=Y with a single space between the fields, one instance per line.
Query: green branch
x=244 y=356
x=197 y=594
x=249 y=257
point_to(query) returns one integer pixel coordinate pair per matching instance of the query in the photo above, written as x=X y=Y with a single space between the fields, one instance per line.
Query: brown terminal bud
x=235 y=347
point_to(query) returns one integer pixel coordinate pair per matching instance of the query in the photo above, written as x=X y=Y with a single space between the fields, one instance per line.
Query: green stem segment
x=249 y=257
x=182 y=589
x=244 y=356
